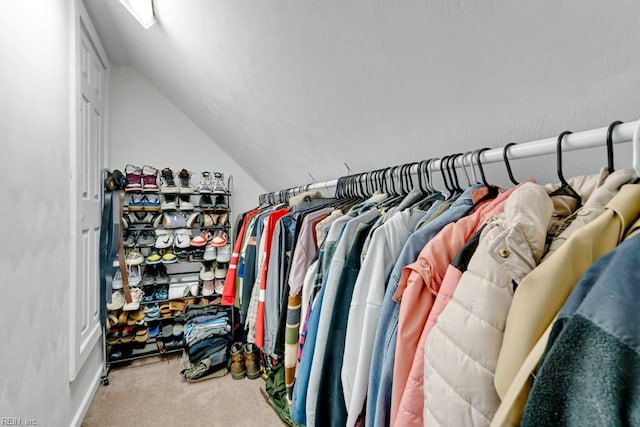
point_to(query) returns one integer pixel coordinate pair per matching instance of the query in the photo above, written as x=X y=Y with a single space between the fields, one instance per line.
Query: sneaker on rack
x=218 y=183
x=164 y=239
x=161 y=278
x=197 y=254
x=134 y=257
x=149 y=179
x=208 y=288
x=205 y=186
x=151 y=203
x=148 y=276
x=220 y=239
x=146 y=239
x=183 y=254
x=116 y=282
x=220 y=202
x=210 y=253
x=183 y=238
x=154 y=257
x=134 y=276
x=169 y=256
x=185 y=182
x=134 y=178
x=206 y=272
x=218 y=286
x=206 y=202
x=168 y=182
x=224 y=253
x=220 y=272
x=129 y=239
x=169 y=203
x=137 y=202
x=185 y=203
x=136 y=297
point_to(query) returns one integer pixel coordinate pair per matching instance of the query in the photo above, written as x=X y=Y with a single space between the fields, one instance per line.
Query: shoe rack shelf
x=120 y=353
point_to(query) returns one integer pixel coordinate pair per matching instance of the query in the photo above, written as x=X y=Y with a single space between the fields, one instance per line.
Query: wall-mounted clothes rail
x=625 y=132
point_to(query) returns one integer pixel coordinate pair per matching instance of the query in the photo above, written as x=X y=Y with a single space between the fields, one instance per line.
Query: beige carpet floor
x=152 y=393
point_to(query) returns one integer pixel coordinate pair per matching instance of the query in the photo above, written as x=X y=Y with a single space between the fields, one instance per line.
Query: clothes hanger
x=444 y=178
x=457 y=186
x=464 y=166
x=565 y=189
x=506 y=162
x=492 y=190
x=612 y=126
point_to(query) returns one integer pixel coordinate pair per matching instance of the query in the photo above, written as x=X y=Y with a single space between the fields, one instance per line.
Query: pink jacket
x=419 y=284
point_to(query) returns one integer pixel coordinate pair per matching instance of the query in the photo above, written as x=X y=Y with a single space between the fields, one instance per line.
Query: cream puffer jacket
x=462 y=349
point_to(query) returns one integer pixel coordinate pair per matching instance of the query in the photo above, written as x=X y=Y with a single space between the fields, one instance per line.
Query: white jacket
x=462 y=349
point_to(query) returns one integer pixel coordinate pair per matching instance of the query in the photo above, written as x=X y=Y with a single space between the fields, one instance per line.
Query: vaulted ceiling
x=293 y=89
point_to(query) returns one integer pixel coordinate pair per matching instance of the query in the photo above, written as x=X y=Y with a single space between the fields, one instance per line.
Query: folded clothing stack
x=206 y=341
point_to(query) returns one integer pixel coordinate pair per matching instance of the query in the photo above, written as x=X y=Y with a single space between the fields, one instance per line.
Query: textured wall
x=146 y=128
x=310 y=85
x=35 y=134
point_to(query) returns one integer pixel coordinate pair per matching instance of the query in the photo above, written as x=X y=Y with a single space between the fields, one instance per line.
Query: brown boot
x=238 y=370
x=251 y=361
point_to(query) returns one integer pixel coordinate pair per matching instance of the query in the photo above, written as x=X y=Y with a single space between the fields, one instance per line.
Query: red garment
x=229 y=292
x=270 y=228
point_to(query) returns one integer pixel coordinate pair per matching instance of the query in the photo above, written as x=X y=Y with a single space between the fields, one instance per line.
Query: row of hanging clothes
x=398 y=304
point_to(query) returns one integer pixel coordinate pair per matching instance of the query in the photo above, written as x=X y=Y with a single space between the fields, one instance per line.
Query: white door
x=87 y=182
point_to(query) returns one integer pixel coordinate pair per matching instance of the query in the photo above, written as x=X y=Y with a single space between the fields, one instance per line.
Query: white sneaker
x=205 y=186
x=206 y=272
x=182 y=238
x=220 y=273
x=136 y=297
x=116 y=282
x=210 y=253
x=218 y=286
x=164 y=239
x=224 y=253
x=186 y=205
x=168 y=204
x=218 y=183
x=117 y=301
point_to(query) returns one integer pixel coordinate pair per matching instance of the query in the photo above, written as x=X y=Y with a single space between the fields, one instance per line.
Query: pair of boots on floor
x=244 y=361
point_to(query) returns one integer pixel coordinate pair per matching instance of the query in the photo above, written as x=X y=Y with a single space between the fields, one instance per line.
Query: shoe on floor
x=251 y=361
x=238 y=368
x=167 y=182
x=134 y=178
x=184 y=177
x=149 y=179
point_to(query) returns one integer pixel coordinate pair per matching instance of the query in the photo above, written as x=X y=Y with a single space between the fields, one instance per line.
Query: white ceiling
x=293 y=88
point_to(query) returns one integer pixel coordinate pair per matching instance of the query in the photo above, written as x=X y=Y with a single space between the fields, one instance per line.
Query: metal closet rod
x=575 y=141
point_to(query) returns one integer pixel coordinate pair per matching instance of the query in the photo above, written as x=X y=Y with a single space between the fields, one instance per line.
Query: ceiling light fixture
x=142 y=10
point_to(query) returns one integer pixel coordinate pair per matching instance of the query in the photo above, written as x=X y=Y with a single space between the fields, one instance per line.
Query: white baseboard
x=86 y=400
